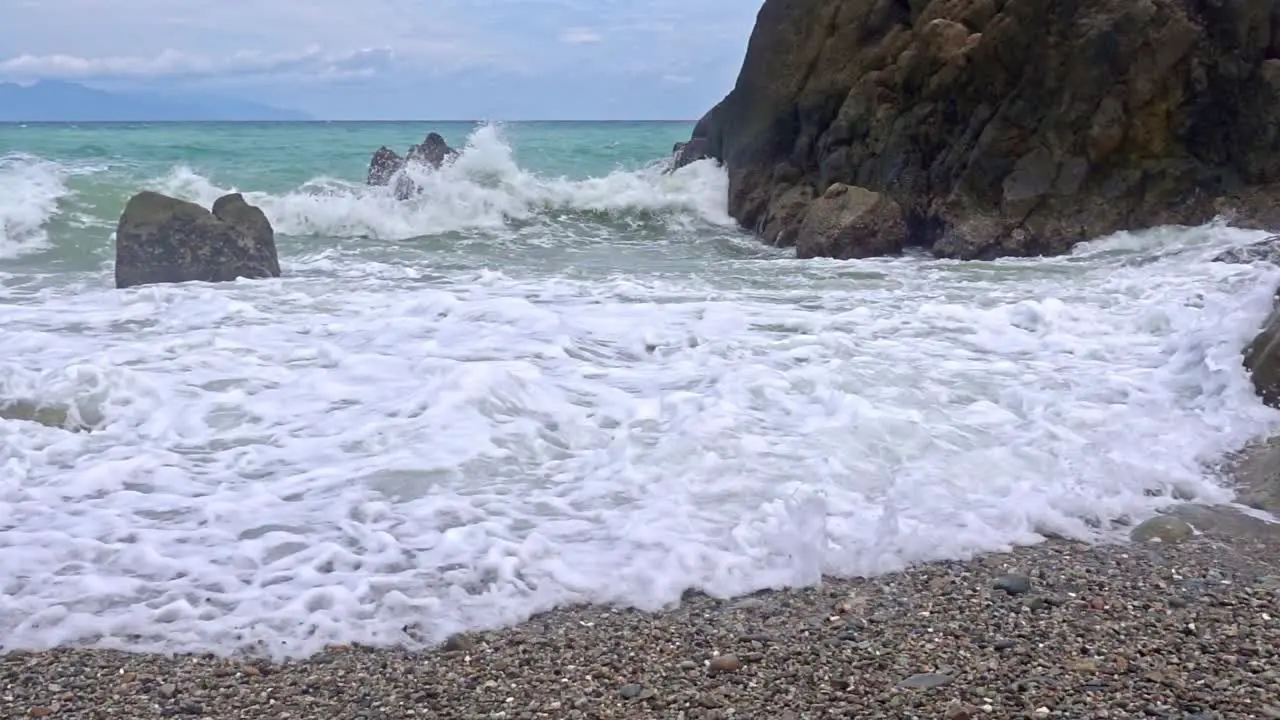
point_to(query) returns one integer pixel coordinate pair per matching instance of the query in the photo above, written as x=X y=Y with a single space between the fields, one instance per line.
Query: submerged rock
x=1013 y=584
x=1267 y=250
x=1165 y=529
x=1016 y=127
x=55 y=416
x=162 y=239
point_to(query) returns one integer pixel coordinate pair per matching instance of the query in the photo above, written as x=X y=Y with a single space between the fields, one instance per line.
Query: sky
x=395 y=59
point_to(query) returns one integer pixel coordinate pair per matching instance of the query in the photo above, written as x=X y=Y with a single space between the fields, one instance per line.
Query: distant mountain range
x=59 y=101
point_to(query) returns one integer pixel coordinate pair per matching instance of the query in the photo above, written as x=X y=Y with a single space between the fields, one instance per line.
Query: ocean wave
x=30 y=188
x=483 y=189
x=450 y=437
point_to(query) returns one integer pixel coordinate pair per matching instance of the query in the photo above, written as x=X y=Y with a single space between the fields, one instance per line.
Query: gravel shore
x=1057 y=630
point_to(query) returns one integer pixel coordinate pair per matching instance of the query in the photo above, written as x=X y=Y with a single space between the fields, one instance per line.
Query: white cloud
x=579 y=36
x=172 y=63
x=296 y=46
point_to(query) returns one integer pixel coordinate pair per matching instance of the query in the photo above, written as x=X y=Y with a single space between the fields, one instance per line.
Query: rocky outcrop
x=1262 y=356
x=433 y=151
x=1003 y=127
x=385 y=165
x=684 y=153
x=1262 y=360
x=162 y=239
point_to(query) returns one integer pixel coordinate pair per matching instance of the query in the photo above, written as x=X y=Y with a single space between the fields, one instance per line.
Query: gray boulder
x=161 y=239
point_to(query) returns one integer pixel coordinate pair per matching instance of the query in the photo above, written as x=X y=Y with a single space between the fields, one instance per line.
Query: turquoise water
x=275 y=157
x=102 y=164
x=560 y=374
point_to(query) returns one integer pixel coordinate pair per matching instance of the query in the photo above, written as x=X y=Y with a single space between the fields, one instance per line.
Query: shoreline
x=1061 y=629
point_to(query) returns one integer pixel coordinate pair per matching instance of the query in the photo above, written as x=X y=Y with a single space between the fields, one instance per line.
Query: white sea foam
x=483 y=189
x=29 y=192
x=432 y=443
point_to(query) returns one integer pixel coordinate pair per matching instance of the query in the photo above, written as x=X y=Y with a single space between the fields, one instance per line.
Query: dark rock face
x=433 y=151
x=1262 y=359
x=162 y=239
x=1262 y=356
x=385 y=165
x=689 y=152
x=850 y=222
x=1006 y=127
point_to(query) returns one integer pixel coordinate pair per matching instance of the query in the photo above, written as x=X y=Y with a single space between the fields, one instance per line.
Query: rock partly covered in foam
x=1002 y=127
x=1262 y=359
x=163 y=239
x=684 y=153
x=385 y=166
x=1262 y=356
x=1267 y=250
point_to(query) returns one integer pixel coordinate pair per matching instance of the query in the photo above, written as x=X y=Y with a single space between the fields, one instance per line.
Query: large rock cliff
x=999 y=127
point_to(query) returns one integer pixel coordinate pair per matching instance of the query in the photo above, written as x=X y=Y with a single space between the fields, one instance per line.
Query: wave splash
x=30 y=189
x=484 y=188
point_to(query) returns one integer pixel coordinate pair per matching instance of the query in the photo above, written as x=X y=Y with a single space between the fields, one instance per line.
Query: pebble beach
x=1187 y=630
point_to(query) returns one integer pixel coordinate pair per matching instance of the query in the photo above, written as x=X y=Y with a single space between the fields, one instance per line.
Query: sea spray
x=29 y=192
x=483 y=189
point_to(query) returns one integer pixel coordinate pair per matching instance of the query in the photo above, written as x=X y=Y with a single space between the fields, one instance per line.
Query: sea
x=560 y=375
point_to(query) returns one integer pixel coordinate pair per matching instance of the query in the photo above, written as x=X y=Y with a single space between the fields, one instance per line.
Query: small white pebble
x=986 y=708
x=1042 y=712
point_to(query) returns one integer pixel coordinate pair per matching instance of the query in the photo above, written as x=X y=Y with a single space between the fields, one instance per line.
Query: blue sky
x=396 y=59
